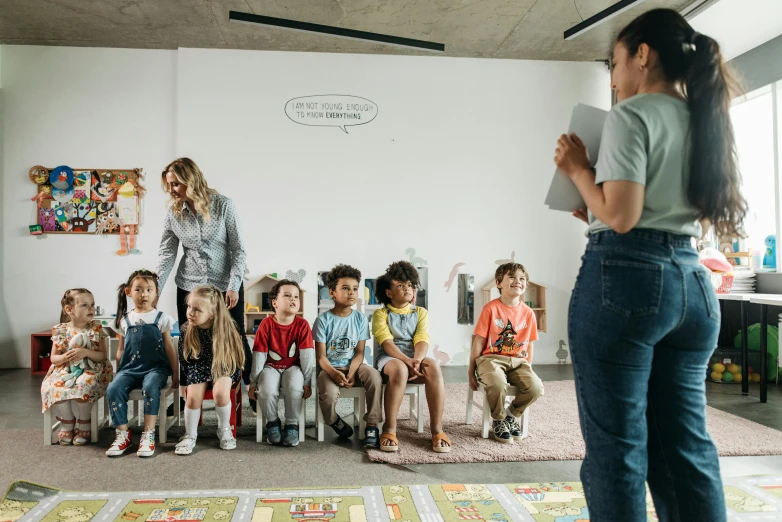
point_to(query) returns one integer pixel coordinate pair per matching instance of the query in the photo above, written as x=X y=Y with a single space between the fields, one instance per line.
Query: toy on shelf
x=770 y=259
x=251 y=308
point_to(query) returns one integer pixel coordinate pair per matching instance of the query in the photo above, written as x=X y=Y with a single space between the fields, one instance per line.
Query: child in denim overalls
x=146 y=359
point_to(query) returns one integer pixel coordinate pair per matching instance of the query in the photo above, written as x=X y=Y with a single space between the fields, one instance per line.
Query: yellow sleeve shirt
x=382 y=333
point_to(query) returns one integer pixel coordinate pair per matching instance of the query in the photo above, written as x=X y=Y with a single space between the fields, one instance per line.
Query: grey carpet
x=250 y=465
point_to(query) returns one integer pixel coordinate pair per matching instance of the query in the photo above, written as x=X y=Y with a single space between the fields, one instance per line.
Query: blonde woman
x=210 y=357
x=206 y=224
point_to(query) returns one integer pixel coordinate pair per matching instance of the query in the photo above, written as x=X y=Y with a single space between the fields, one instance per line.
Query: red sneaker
x=146 y=447
x=120 y=444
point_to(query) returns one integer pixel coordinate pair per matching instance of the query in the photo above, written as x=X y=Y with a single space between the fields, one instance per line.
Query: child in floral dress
x=80 y=339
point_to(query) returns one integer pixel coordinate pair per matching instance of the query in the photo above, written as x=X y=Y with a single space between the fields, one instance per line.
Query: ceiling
x=511 y=29
x=740 y=26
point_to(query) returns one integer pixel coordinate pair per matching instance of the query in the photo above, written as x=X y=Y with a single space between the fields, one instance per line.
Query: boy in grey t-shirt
x=340 y=335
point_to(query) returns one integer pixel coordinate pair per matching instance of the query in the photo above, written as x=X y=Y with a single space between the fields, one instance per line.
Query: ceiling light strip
x=282 y=23
x=599 y=18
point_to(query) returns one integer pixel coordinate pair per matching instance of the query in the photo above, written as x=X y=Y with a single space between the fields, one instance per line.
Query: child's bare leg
x=195 y=396
x=397 y=374
x=435 y=394
x=221 y=390
x=193 y=402
x=149 y=422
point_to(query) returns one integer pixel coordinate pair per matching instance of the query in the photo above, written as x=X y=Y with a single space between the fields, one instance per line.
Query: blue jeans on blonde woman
x=643 y=322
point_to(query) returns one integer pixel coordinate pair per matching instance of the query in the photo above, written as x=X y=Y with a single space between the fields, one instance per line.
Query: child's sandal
x=65 y=437
x=441 y=437
x=391 y=437
x=82 y=436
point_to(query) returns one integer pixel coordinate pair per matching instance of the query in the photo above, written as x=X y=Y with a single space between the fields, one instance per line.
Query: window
x=753 y=124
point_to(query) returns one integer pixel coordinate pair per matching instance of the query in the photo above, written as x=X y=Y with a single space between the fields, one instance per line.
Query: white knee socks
x=191 y=421
x=63 y=411
x=223 y=416
x=85 y=410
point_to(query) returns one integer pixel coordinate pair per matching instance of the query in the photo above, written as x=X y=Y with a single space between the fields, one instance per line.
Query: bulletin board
x=87 y=201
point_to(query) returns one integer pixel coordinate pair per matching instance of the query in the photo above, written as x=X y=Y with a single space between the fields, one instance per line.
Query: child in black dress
x=210 y=355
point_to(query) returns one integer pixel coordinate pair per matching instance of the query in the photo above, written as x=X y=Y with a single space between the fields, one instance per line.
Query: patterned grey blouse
x=213 y=249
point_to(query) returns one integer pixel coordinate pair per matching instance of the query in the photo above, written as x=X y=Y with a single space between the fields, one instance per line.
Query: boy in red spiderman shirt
x=283 y=357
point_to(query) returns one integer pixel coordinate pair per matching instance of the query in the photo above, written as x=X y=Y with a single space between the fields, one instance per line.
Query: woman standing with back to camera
x=644 y=318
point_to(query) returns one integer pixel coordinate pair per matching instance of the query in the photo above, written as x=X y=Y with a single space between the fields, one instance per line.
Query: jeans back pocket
x=710 y=301
x=632 y=288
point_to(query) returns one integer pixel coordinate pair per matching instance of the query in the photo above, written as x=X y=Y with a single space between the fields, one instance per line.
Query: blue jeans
x=643 y=322
x=119 y=390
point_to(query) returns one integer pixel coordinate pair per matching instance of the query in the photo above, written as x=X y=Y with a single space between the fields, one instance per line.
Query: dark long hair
x=695 y=62
x=122 y=298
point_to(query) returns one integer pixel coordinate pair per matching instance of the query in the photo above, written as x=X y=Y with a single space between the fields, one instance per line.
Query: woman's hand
x=582 y=215
x=231 y=298
x=571 y=155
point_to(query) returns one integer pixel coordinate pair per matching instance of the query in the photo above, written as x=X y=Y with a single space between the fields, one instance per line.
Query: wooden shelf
x=253 y=295
x=535 y=293
x=40 y=343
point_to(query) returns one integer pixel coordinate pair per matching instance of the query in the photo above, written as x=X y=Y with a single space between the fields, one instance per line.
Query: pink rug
x=554 y=433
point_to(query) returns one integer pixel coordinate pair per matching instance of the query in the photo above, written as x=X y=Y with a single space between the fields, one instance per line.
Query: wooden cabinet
x=40 y=351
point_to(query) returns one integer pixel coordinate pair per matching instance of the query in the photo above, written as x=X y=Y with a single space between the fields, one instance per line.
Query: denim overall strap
x=402 y=327
x=144 y=348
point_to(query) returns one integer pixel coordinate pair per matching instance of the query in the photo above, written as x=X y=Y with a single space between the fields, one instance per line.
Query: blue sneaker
x=343 y=430
x=274 y=432
x=291 y=435
x=372 y=437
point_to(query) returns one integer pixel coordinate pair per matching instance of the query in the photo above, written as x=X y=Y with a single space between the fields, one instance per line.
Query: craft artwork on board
x=89 y=201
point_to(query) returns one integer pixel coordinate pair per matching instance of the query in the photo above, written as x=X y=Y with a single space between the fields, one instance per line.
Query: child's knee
x=265 y=393
x=295 y=391
x=396 y=372
x=222 y=396
x=536 y=388
x=431 y=370
x=114 y=392
x=373 y=379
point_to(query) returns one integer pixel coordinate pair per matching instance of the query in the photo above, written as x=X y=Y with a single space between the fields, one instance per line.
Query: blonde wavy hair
x=227 y=350
x=188 y=174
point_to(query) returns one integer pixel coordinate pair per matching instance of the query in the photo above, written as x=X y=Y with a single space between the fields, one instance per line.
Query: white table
x=764 y=300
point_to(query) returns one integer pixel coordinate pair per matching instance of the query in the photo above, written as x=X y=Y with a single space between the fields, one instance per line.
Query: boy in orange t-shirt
x=502 y=352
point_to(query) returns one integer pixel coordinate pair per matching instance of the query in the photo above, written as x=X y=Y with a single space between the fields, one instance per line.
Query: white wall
x=456 y=165
x=87 y=108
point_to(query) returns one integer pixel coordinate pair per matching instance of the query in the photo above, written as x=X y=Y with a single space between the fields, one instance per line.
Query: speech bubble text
x=331 y=110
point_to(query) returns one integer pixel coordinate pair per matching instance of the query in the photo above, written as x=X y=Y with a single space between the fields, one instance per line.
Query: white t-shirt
x=165 y=324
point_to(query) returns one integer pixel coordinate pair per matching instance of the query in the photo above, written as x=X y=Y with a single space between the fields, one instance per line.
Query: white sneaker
x=226 y=436
x=146 y=447
x=185 y=445
x=120 y=444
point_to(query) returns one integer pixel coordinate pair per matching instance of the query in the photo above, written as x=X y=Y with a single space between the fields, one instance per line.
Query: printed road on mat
x=748 y=499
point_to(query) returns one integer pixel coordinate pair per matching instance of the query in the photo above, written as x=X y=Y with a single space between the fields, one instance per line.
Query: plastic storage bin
x=725 y=366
